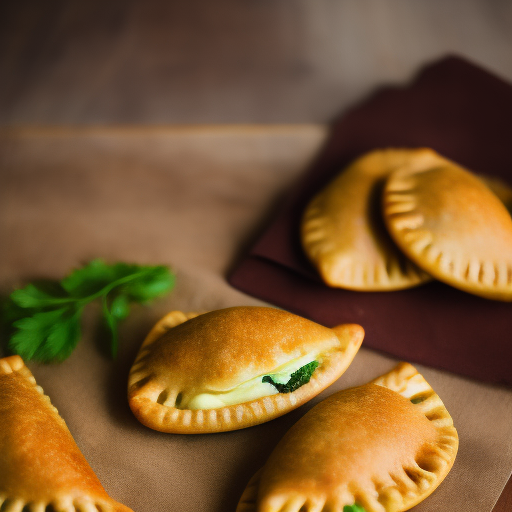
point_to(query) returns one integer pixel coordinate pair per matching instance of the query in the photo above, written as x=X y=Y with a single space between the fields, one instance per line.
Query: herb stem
x=107 y=289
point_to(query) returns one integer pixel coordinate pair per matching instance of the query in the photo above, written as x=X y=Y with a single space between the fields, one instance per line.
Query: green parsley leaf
x=32 y=297
x=97 y=275
x=297 y=378
x=150 y=284
x=44 y=320
x=47 y=335
x=120 y=307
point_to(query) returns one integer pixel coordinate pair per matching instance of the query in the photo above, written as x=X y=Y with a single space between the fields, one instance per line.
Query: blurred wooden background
x=228 y=61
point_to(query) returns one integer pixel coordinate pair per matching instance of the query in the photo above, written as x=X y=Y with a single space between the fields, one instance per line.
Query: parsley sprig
x=45 y=317
x=297 y=379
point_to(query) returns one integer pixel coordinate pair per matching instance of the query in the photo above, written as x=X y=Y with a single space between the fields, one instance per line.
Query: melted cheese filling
x=249 y=390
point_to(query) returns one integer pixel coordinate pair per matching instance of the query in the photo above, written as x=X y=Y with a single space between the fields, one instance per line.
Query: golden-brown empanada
x=448 y=222
x=501 y=189
x=41 y=467
x=343 y=234
x=384 y=446
x=210 y=372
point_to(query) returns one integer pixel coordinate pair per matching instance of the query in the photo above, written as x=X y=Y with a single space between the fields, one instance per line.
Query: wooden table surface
x=229 y=61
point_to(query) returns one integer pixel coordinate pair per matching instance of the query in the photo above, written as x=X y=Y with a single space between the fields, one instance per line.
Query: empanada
x=384 y=446
x=233 y=368
x=343 y=234
x=41 y=467
x=501 y=189
x=448 y=222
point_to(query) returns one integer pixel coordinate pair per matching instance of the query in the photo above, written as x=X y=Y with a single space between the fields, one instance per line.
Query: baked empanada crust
x=450 y=224
x=40 y=463
x=344 y=236
x=216 y=351
x=369 y=445
x=500 y=189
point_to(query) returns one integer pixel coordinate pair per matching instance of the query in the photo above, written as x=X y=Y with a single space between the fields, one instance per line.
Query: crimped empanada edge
x=143 y=393
x=15 y=364
x=340 y=268
x=405 y=224
x=408 y=382
x=403 y=379
x=63 y=502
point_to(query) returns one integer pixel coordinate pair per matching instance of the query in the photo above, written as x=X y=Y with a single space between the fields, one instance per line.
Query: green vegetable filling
x=297 y=379
x=353 y=508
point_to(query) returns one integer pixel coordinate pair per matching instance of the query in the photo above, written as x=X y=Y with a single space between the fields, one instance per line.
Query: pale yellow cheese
x=249 y=390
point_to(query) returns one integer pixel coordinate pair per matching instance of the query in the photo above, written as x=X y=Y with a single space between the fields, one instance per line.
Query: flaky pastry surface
x=449 y=223
x=343 y=233
x=41 y=467
x=187 y=354
x=384 y=446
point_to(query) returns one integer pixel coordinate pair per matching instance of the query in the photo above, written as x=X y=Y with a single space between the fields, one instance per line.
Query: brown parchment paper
x=190 y=198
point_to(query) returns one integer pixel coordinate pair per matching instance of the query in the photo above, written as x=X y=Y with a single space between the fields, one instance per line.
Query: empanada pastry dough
x=344 y=236
x=41 y=467
x=448 y=222
x=501 y=189
x=384 y=446
x=205 y=373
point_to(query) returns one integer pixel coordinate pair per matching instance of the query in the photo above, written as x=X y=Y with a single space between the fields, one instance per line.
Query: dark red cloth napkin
x=464 y=113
